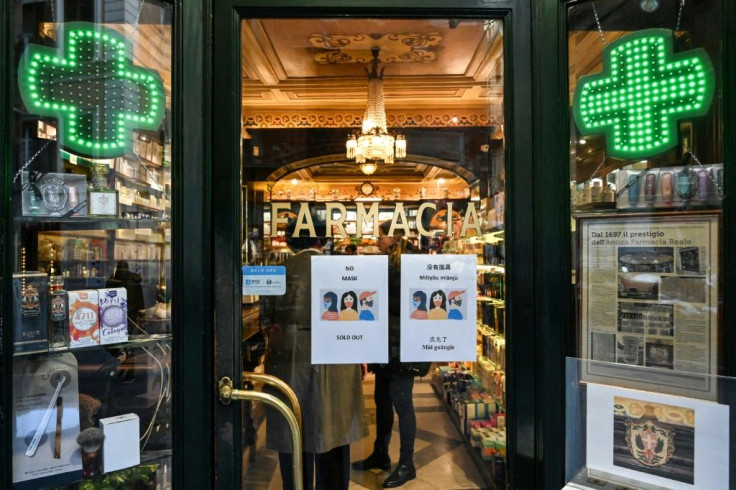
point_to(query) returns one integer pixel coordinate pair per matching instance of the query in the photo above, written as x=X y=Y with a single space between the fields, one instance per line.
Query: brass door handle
x=228 y=393
x=280 y=385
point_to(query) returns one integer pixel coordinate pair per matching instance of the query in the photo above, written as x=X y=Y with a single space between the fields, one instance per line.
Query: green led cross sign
x=641 y=94
x=91 y=85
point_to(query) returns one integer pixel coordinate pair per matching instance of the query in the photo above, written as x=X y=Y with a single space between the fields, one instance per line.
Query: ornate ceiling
x=311 y=73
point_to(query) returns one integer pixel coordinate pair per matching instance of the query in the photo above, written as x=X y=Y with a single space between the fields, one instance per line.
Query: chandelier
x=374 y=143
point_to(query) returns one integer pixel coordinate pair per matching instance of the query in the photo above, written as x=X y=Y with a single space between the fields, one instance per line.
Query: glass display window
x=91 y=247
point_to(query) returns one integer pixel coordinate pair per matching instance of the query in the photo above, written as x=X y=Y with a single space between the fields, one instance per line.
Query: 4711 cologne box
x=84 y=323
x=113 y=305
x=30 y=296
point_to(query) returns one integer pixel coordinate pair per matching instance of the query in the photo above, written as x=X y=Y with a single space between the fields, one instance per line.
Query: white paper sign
x=349 y=309
x=669 y=441
x=438 y=308
x=264 y=280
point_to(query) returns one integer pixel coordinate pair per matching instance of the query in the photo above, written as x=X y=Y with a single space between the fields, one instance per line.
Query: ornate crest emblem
x=30 y=302
x=650 y=442
x=54 y=193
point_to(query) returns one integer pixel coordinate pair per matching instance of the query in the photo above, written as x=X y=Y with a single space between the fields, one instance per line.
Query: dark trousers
x=394 y=391
x=331 y=470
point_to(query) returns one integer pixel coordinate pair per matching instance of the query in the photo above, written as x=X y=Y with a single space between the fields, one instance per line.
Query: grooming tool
x=57 y=439
x=90 y=440
x=33 y=446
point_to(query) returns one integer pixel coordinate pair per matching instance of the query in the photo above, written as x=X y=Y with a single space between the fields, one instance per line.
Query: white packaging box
x=120 y=448
x=113 y=304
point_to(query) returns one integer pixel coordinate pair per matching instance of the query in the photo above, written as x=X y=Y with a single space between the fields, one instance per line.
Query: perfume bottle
x=633 y=190
x=650 y=189
x=687 y=186
x=703 y=185
x=58 y=313
x=665 y=181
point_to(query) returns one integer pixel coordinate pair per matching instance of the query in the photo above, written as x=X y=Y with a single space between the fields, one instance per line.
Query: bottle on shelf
x=58 y=313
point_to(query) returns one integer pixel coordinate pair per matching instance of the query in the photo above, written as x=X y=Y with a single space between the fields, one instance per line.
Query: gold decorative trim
x=256 y=120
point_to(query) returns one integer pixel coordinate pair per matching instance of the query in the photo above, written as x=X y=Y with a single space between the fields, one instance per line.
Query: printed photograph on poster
x=656 y=439
x=660 y=353
x=438 y=308
x=603 y=346
x=638 y=286
x=437 y=305
x=684 y=289
x=646 y=318
x=689 y=262
x=349 y=305
x=646 y=259
x=630 y=350
x=349 y=314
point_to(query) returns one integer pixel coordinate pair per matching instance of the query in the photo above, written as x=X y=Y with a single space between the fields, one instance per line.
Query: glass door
x=373 y=171
x=91 y=245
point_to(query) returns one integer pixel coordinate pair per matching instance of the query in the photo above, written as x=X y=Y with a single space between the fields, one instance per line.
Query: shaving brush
x=90 y=440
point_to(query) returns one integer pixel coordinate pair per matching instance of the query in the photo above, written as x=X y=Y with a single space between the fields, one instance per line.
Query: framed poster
x=657 y=439
x=649 y=288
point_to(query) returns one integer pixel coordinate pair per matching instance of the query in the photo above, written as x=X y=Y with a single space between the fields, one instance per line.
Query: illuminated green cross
x=642 y=92
x=94 y=89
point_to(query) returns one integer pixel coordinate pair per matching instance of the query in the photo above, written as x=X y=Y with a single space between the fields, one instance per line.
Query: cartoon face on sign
x=329 y=304
x=419 y=305
x=351 y=306
x=455 y=303
x=438 y=301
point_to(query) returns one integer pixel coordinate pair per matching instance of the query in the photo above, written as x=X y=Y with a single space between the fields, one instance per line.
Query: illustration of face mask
x=437 y=300
x=457 y=303
x=349 y=301
x=415 y=303
x=368 y=303
x=326 y=304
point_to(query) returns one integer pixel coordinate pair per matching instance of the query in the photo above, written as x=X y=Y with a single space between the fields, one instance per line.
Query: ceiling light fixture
x=374 y=143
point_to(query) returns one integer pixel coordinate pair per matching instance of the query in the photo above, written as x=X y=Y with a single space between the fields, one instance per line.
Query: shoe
x=374 y=461
x=402 y=474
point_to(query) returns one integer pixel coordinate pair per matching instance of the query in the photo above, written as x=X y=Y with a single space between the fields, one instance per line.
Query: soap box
x=113 y=305
x=120 y=448
x=84 y=324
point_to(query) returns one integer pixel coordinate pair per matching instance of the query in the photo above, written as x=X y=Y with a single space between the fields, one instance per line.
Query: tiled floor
x=441 y=459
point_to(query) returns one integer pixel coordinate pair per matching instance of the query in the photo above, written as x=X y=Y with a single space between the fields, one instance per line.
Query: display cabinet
x=91 y=241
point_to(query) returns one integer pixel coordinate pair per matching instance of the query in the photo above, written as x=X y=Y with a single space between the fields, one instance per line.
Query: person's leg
x=384 y=412
x=333 y=469
x=401 y=395
x=287 y=472
x=384 y=422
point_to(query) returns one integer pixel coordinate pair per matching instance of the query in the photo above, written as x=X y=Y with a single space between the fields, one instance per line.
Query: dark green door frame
x=534 y=363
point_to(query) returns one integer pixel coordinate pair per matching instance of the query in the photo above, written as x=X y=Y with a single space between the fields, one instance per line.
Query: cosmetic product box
x=84 y=321
x=121 y=448
x=113 y=304
x=30 y=296
x=53 y=194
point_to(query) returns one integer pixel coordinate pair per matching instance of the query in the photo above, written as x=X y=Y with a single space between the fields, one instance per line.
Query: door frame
x=524 y=441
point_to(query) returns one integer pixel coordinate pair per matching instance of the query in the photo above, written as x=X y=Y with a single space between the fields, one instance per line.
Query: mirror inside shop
x=381 y=213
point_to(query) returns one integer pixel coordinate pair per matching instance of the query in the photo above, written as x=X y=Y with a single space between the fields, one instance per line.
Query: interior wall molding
x=417 y=119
